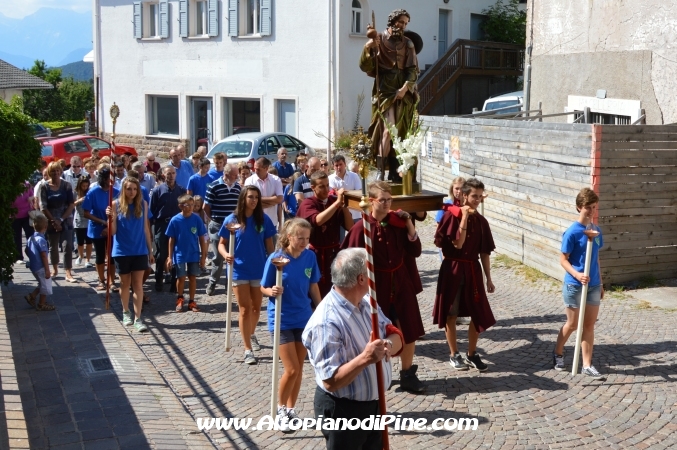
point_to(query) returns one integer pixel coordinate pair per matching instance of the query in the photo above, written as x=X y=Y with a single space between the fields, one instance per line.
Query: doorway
x=286 y=117
x=201 y=124
x=443 y=32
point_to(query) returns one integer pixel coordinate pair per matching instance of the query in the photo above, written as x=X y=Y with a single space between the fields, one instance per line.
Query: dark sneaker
x=558 y=361
x=158 y=287
x=593 y=373
x=249 y=357
x=210 y=288
x=409 y=381
x=255 y=343
x=282 y=420
x=295 y=422
x=457 y=362
x=476 y=362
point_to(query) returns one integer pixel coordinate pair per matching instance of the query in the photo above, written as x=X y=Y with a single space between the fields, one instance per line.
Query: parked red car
x=81 y=145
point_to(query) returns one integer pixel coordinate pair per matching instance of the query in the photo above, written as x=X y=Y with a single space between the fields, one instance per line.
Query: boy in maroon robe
x=464 y=236
x=326 y=214
x=394 y=239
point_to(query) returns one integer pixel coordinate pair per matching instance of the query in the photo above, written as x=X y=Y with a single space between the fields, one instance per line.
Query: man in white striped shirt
x=337 y=338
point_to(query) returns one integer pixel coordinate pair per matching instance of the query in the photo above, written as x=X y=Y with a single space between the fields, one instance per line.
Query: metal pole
x=591 y=234
x=279 y=263
x=232 y=227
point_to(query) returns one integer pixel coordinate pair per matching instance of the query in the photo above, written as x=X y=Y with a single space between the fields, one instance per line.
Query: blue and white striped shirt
x=337 y=333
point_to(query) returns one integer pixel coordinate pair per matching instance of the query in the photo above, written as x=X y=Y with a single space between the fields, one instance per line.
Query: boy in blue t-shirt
x=187 y=250
x=37 y=250
x=574 y=245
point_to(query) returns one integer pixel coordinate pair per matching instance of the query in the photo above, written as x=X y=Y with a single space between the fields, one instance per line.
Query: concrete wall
x=626 y=48
x=7 y=94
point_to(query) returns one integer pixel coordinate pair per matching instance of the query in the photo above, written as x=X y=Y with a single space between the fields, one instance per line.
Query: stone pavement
x=163 y=380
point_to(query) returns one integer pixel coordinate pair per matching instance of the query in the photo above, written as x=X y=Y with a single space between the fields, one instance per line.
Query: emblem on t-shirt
x=193 y=230
x=309 y=271
x=597 y=241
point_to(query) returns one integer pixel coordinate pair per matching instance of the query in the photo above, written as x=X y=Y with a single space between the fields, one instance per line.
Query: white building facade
x=189 y=70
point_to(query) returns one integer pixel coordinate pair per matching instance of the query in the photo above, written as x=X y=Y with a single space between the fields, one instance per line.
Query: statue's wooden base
x=418 y=202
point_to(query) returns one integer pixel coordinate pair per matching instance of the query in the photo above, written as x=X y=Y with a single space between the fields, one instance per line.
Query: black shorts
x=289 y=336
x=81 y=236
x=129 y=264
x=100 y=250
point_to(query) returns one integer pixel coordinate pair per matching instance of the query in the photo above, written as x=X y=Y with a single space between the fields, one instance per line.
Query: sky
x=18 y=9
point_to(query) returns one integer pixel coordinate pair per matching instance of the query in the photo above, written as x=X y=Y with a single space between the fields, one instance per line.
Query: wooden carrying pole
x=591 y=234
x=279 y=264
x=232 y=227
x=364 y=204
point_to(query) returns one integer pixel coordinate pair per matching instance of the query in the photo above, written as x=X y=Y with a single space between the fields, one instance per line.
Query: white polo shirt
x=350 y=182
x=270 y=187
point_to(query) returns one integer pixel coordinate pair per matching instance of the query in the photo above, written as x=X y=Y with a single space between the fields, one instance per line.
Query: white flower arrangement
x=408 y=147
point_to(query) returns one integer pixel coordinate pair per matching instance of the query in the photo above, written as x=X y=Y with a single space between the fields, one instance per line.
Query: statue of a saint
x=390 y=57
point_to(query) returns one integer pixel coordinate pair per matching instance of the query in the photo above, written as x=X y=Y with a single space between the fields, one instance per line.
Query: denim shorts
x=289 y=336
x=192 y=271
x=572 y=295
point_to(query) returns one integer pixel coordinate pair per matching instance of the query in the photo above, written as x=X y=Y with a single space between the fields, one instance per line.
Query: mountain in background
x=80 y=71
x=57 y=36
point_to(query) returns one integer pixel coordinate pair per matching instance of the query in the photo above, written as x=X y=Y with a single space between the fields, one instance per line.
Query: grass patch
x=504 y=261
x=531 y=274
x=643 y=304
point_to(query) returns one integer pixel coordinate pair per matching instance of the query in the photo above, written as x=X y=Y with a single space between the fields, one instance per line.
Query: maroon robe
x=325 y=238
x=463 y=264
x=395 y=286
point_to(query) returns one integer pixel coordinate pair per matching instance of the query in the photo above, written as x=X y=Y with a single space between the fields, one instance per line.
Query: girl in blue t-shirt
x=574 y=244
x=253 y=242
x=299 y=286
x=131 y=247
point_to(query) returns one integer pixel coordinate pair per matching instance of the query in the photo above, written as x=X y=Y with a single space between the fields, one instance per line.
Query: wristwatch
x=388 y=341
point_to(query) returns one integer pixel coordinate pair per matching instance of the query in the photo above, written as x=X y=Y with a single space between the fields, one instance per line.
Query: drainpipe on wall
x=527 y=62
x=330 y=75
x=96 y=30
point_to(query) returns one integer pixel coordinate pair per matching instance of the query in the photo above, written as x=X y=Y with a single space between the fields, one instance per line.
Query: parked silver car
x=250 y=146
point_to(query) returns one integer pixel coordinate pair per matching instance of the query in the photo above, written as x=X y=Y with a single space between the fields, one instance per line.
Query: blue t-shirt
x=575 y=243
x=440 y=213
x=146 y=196
x=187 y=232
x=290 y=199
x=214 y=174
x=130 y=235
x=96 y=202
x=285 y=171
x=35 y=245
x=297 y=277
x=183 y=173
x=250 y=248
x=197 y=184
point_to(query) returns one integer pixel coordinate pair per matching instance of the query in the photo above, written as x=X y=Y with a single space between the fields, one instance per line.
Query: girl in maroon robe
x=464 y=237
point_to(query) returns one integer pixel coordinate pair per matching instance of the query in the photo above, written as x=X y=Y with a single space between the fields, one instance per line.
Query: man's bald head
x=313 y=166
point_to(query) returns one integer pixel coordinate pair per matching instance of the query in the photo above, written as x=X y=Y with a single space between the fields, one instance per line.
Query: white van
x=505 y=100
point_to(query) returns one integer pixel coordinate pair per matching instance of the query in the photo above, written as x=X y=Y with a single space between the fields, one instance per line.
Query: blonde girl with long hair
x=132 y=247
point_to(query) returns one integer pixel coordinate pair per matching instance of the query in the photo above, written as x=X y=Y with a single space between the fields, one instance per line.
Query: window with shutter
x=233 y=17
x=213 y=18
x=183 y=18
x=164 y=19
x=266 y=18
x=138 y=29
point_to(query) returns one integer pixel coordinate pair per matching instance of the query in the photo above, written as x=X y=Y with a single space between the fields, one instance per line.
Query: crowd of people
x=171 y=219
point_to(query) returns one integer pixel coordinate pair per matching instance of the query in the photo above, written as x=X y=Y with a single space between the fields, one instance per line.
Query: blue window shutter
x=266 y=17
x=138 y=9
x=183 y=18
x=213 y=17
x=164 y=19
x=233 y=22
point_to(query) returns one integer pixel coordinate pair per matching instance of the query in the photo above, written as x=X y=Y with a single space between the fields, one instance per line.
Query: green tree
x=76 y=98
x=20 y=154
x=505 y=23
x=44 y=104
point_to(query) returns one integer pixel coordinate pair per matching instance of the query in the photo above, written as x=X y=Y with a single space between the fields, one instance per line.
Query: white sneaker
x=78 y=261
x=255 y=343
x=282 y=420
x=88 y=265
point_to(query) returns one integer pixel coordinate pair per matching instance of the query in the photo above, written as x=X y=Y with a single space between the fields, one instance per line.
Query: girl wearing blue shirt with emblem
x=299 y=286
x=574 y=244
x=132 y=248
x=253 y=242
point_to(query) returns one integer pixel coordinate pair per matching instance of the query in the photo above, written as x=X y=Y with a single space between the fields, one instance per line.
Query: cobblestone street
x=161 y=381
